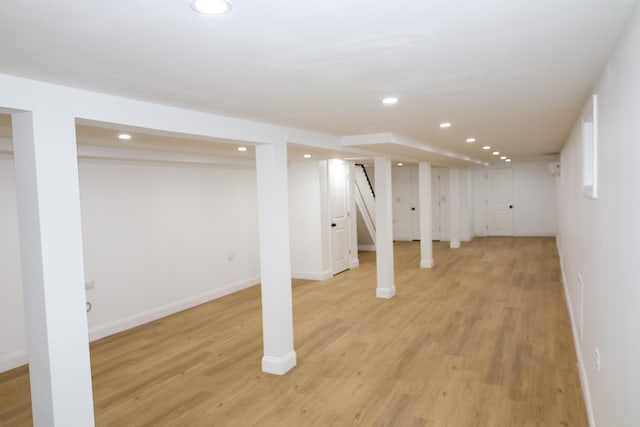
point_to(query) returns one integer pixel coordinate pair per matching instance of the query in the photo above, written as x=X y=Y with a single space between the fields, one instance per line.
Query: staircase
x=365 y=209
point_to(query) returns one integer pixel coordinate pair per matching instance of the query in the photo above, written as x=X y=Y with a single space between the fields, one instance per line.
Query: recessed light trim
x=400 y=164
x=486 y=147
x=496 y=153
x=307 y=156
x=470 y=140
x=445 y=125
x=503 y=157
x=124 y=136
x=390 y=100
x=211 y=7
x=242 y=148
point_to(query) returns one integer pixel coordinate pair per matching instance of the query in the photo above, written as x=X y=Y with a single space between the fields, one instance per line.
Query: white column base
x=279 y=365
x=426 y=263
x=386 y=293
x=454 y=244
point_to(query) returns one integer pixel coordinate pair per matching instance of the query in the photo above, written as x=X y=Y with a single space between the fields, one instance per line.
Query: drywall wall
x=534 y=199
x=158 y=237
x=308 y=220
x=13 y=345
x=598 y=241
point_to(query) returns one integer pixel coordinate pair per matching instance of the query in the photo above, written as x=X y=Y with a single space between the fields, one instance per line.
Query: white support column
x=48 y=196
x=384 y=229
x=426 y=238
x=275 y=258
x=454 y=207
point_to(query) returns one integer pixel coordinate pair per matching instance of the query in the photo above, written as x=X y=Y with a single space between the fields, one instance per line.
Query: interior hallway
x=482 y=339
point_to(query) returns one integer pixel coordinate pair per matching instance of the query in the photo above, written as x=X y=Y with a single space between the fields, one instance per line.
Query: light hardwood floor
x=482 y=339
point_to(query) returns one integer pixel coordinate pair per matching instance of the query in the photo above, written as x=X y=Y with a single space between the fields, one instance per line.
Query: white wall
x=13 y=345
x=598 y=240
x=158 y=238
x=534 y=199
x=308 y=220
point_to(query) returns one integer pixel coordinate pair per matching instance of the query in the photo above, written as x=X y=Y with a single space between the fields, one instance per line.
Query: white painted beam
x=384 y=229
x=48 y=199
x=426 y=231
x=275 y=258
x=454 y=208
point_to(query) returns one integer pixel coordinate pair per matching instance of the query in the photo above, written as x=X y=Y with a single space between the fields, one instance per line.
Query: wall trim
x=582 y=372
x=323 y=275
x=385 y=293
x=104 y=330
x=355 y=263
x=13 y=360
x=279 y=365
x=367 y=248
x=534 y=235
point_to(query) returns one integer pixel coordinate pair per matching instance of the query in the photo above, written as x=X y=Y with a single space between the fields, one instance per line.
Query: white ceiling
x=512 y=73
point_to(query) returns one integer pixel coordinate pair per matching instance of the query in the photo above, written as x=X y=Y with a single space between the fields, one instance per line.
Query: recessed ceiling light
x=307 y=156
x=390 y=100
x=496 y=153
x=211 y=7
x=471 y=140
x=508 y=160
x=400 y=164
x=242 y=148
x=486 y=147
x=124 y=136
x=503 y=157
x=445 y=125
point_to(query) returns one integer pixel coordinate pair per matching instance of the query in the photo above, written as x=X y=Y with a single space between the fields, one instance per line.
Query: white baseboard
x=101 y=331
x=324 y=275
x=13 y=360
x=535 y=235
x=367 y=248
x=385 y=293
x=426 y=263
x=582 y=372
x=354 y=263
x=279 y=365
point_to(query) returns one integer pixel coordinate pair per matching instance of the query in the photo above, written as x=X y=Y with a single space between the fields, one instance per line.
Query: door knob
x=510 y=206
x=413 y=209
x=333 y=224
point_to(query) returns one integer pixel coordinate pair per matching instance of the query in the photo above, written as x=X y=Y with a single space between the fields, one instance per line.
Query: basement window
x=590 y=148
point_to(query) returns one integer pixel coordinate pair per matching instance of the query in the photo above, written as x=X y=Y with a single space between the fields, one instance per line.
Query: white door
x=500 y=202
x=338 y=209
x=415 y=206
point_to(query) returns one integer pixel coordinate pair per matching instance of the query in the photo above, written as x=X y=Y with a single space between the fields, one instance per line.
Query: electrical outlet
x=90 y=284
x=597 y=360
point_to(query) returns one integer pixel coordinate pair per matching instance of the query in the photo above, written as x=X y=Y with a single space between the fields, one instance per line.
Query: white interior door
x=500 y=202
x=415 y=206
x=338 y=208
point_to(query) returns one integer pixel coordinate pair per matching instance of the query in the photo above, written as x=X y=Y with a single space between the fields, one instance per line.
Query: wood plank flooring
x=482 y=339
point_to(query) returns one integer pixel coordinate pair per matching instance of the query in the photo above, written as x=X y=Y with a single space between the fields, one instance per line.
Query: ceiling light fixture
x=445 y=125
x=242 y=148
x=508 y=160
x=307 y=156
x=400 y=164
x=503 y=158
x=471 y=140
x=124 y=136
x=211 y=7
x=390 y=100
x=496 y=153
x=486 y=147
